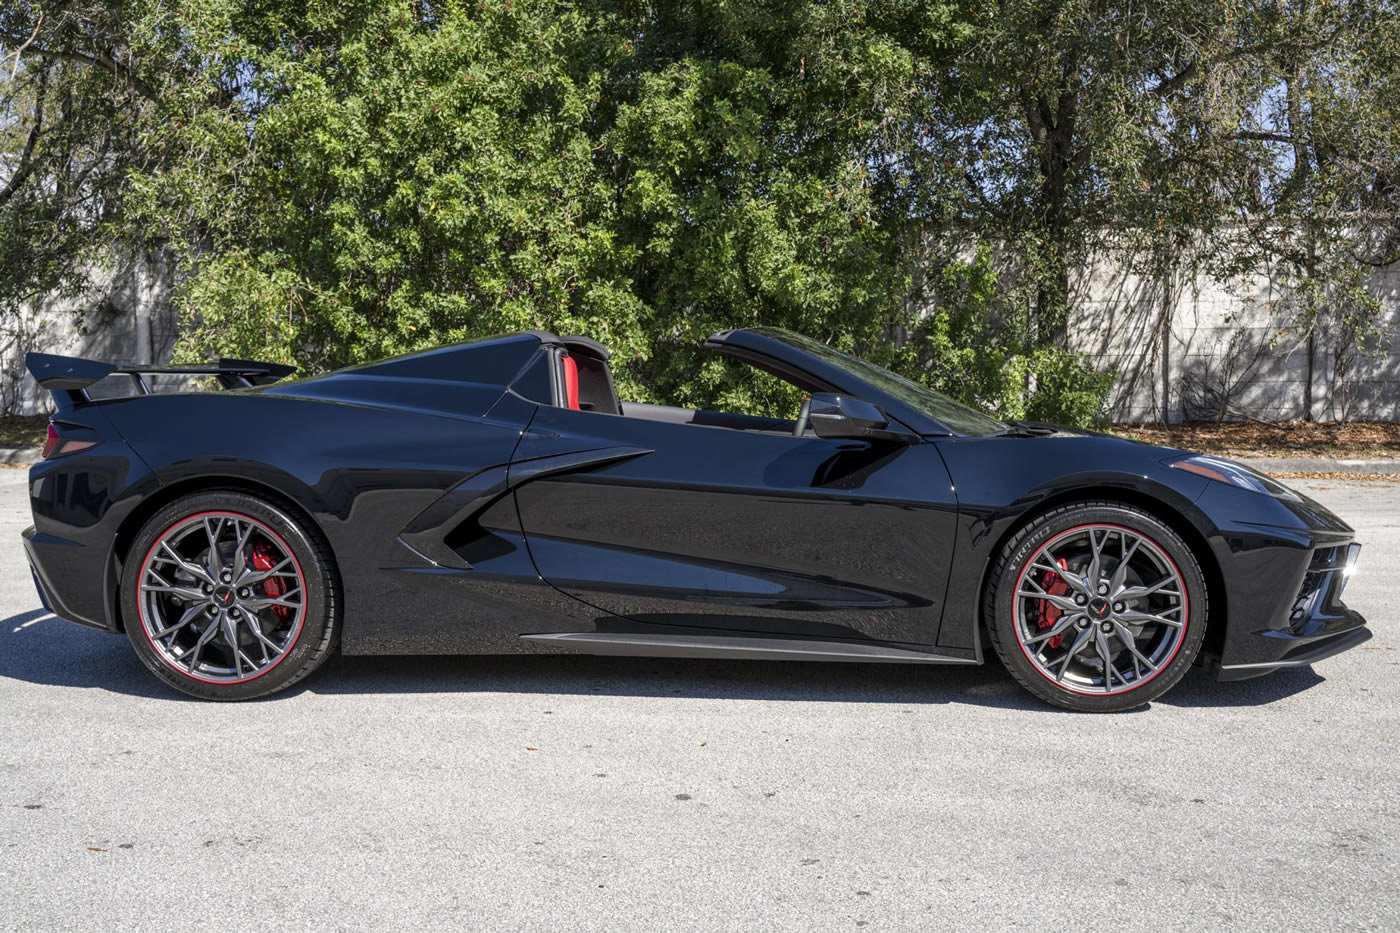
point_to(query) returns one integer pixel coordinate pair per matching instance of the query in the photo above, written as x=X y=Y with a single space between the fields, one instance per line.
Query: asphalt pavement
x=562 y=793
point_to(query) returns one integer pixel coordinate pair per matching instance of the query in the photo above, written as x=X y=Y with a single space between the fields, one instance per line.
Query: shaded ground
x=1362 y=440
x=23 y=430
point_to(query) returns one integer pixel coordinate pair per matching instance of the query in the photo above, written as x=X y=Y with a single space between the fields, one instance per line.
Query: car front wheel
x=1097 y=606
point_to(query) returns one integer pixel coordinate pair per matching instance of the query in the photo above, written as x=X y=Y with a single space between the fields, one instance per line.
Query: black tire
x=1050 y=602
x=308 y=632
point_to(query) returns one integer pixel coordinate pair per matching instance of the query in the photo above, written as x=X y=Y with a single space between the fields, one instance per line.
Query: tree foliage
x=1320 y=195
x=645 y=176
x=910 y=180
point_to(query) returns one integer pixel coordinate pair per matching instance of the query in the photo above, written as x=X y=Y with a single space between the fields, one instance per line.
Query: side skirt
x=737 y=647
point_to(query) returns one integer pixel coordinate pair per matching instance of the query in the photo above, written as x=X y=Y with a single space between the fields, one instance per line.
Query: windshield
x=954 y=415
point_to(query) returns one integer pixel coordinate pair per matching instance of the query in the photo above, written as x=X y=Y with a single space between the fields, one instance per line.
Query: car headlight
x=1236 y=474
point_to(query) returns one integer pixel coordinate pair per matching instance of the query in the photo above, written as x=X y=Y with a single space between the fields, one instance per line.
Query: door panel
x=742 y=530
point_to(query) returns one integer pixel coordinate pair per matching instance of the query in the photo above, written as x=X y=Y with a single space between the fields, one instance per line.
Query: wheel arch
x=1173 y=517
x=166 y=494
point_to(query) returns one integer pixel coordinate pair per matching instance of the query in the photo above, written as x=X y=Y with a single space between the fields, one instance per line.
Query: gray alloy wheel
x=225 y=596
x=1097 y=606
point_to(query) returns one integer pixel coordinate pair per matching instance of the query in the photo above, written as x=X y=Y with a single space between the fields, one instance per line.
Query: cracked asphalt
x=561 y=793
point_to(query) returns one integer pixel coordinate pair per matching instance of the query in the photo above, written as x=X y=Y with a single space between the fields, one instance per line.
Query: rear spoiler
x=68 y=377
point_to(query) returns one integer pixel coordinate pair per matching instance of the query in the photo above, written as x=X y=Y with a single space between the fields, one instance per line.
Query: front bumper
x=1307 y=621
x=1302 y=652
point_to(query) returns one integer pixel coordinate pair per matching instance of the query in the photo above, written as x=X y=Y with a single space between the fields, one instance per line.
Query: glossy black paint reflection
x=462 y=515
x=744 y=530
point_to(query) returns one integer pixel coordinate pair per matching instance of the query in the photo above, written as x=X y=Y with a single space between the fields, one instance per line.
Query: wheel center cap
x=223 y=596
x=1098 y=608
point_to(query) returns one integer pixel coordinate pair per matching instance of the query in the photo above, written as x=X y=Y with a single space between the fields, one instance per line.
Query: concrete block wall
x=104 y=323
x=1218 y=334
x=1226 y=336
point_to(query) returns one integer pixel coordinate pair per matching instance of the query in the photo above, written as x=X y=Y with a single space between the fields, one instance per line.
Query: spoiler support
x=68 y=377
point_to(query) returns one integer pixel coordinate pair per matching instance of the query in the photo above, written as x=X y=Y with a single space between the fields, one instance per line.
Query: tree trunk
x=145 y=291
x=1164 y=337
x=1051 y=324
x=1308 y=381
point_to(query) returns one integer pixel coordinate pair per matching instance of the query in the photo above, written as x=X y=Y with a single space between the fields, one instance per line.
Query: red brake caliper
x=272 y=587
x=1053 y=584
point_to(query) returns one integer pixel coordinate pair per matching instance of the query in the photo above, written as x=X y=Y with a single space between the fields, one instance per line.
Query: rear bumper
x=55 y=562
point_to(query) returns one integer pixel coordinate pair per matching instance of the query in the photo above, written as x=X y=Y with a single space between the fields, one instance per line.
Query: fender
x=998 y=493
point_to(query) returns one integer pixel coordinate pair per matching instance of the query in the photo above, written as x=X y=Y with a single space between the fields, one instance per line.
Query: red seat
x=571 y=382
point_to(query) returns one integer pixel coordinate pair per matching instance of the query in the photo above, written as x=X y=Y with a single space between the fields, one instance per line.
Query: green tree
x=646 y=175
x=1072 y=122
x=912 y=180
x=70 y=125
x=1319 y=196
x=88 y=94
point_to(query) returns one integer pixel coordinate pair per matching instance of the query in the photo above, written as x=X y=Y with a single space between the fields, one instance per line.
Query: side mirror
x=836 y=416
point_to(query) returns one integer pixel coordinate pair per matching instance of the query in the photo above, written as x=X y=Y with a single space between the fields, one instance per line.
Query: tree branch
x=26 y=158
x=27 y=43
x=97 y=59
x=1169 y=86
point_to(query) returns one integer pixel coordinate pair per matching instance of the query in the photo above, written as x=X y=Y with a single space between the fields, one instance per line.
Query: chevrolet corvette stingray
x=498 y=497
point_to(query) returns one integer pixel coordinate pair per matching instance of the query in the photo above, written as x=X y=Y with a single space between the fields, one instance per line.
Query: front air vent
x=1323 y=576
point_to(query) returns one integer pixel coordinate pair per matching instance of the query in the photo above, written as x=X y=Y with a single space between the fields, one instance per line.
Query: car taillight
x=56 y=445
x=51 y=442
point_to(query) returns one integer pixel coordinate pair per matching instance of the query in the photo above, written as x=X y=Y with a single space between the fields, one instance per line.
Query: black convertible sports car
x=497 y=497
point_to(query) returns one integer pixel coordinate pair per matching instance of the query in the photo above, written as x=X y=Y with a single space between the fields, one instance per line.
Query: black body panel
x=468 y=508
x=751 y=531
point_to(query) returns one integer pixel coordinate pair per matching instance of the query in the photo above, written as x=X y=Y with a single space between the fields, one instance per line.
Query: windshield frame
x=933 y=413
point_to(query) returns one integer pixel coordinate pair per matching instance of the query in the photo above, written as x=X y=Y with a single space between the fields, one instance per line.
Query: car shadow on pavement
x=676 y=678
x=38 y=648
x=1199 y=688
x=988 y=685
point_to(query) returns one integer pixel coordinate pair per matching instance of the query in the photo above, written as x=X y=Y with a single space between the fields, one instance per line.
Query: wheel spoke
x=185 y=593
x=165 y=586
x=257 y=576
x=1120 y=573
x=230 y=629
x=186 y=619
x=1080 y=641
x=255 y=627
x=212 y=532
x=1125 y=635
x=239 y=560
x=259 y=603
x=189 y=567
x=1065 y=622
x=1138 y=592
x=1137 y=668
x=1075 y=582
x=1134 y=616
x=198 y=649
x=1059 y=602
x=1101 y=644
x=1096 y=561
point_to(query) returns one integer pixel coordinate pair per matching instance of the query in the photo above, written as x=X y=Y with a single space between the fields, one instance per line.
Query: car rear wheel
x=1096 y=606
x=226 y=597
